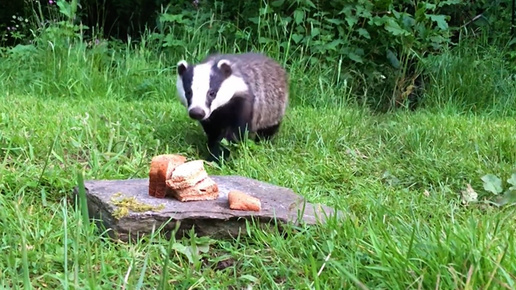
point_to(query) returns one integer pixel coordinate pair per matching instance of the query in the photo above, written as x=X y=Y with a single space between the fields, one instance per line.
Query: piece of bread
x=187 y=175
x=161 y=168
x=238 y=200
x=206 y=189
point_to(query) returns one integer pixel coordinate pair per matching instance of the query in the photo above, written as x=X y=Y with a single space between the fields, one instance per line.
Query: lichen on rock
x=131 y=203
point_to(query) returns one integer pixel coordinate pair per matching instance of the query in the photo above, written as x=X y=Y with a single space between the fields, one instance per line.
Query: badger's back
x=268 y=86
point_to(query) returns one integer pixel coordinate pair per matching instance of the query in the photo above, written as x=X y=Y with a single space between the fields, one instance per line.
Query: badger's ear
x=181 y=67
x=225 y=67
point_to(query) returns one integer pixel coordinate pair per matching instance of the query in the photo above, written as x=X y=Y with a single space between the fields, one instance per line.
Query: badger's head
x=205 y=87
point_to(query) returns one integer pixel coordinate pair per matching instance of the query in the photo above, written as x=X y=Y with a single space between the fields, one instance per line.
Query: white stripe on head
x=224 y=62
x=179 y=84
x=227 y=90
x=181 y=91
x=200 y=87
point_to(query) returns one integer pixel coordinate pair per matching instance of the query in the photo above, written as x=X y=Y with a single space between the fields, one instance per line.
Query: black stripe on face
x=187 y=78
x=216 y=80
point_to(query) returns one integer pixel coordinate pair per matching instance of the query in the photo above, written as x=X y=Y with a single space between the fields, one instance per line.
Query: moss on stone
x=131 y=203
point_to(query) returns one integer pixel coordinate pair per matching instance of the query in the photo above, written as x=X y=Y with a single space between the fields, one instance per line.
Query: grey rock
x=209 y=218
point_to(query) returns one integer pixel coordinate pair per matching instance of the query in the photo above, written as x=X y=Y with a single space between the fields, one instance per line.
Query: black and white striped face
x=205 y=87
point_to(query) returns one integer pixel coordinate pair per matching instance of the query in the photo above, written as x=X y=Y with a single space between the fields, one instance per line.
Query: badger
x=234 y=94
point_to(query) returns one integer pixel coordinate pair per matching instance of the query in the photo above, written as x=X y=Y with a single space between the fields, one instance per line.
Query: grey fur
x=266 y=98
x=268 y=84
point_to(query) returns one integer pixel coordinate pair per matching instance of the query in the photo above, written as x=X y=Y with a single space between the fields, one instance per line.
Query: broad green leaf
x=355 y=57
x=174 y=18
x=315 y=32
x=492 y=183
x=346 y=11
x=420 y=13
x=299 y=15
x=393 y=27
x=482 y=21
x=430 y=6
x=65 y=8
x=396 y=14
x=449 y=2
x=333 y=45
x=277 y=3
x=351 y=20
x=440 y=20
x=378 y=21
x=512 y=181
x=390 y=179
x=310 y=3
x=364 y=33
x=20 y=48
x=254 y=20
x=262 y=40
x=204 y=248
x=408 y=21
x=171 y=41
x=393 y=59
x=509 y=197
x=334 y=21
x=184 y=250
x=297 y=38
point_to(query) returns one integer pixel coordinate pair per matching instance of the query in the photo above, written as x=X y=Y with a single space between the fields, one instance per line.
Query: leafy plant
x=384 y=40
x=501 y=197
x=376 y=47
x=494 y=190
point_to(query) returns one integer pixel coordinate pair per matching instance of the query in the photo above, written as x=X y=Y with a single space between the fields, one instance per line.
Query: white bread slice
x=206 y=189
x=187 y=175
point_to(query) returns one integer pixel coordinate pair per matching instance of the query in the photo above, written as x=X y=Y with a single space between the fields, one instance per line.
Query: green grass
x=475 y=78
x=396 y=176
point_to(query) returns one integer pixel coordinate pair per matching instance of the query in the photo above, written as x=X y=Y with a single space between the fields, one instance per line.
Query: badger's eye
x=211 y=94
x=188 y=93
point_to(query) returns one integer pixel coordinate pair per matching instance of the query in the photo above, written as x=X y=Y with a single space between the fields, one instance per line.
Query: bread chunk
x=171 y=175
x=161 y=169
x=205 y=189
x=187 y=175
x=238 y=200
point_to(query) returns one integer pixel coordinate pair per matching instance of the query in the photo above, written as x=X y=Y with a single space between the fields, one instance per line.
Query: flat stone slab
x=209 y=218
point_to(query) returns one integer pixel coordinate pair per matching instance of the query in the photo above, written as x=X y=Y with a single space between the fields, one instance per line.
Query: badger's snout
x=196 y=113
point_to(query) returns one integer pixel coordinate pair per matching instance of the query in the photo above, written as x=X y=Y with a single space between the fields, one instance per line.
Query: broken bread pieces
x=205 y=189
x=187 y=175
x=161 y=168
x=172 y=175
x=190 y=182
x=238 y=200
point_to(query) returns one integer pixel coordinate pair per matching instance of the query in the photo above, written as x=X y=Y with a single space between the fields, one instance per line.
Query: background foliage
x=379 y=47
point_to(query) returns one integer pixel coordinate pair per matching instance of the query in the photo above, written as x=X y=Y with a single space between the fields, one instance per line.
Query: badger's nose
x=196 y=113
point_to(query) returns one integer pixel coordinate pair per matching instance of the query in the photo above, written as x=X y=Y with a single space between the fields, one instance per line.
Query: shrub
x=381 y=39
x=376 y=46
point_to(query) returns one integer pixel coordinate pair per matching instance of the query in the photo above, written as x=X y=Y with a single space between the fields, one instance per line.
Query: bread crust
x=161 y=168
x=239 y=200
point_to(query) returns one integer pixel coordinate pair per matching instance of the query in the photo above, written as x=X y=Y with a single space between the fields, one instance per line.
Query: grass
x=397 y=177
x=481 y=79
